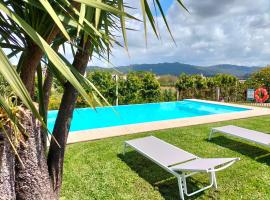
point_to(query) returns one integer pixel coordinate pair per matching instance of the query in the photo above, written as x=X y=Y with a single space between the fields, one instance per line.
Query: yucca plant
x=33 y=30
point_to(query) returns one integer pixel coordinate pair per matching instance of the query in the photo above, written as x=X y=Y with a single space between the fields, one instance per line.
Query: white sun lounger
x=178 y=162
x=243 y=133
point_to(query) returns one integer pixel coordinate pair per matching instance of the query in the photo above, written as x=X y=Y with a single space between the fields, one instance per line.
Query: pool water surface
x=101 y=117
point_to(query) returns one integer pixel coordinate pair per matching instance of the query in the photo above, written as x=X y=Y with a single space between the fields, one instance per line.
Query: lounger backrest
x=159 y=151
x=255 y=136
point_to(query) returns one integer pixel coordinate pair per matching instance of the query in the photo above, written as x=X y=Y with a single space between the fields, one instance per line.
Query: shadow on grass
x=161 y=180
x=259 y=154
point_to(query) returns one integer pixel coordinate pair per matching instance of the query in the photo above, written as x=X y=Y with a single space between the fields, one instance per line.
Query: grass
x=97 y=169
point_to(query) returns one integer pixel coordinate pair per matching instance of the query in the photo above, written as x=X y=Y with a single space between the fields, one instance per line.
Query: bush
x=198 y=86
x=150 y=91
x=139 y=87
x=260 y=78
x=167 y=80
x=168 y=95
x=54 y=102
x=129 y=89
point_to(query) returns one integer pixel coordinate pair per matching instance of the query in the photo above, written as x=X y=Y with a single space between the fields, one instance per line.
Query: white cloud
x=231 y=31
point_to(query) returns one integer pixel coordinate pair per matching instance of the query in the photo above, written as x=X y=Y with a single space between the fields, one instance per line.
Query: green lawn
x=97 y=170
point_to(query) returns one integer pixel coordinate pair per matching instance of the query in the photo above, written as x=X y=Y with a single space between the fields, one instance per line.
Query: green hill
x=178 y=68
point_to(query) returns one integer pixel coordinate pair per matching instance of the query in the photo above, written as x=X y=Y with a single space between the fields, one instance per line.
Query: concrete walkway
x=99 y=133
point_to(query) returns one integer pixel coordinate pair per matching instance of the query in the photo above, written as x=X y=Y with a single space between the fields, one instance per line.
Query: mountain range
x=178 y=68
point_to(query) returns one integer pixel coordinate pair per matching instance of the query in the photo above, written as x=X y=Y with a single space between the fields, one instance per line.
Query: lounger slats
x=160 y=151
x=202 y=164
x=251 y=135
x=179 y=162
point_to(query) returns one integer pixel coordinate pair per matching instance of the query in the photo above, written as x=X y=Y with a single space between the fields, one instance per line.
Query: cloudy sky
x=215 y=32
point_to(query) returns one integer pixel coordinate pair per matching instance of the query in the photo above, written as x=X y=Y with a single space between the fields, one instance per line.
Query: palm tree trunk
x=7 y=170
x=30 y=62
x=46 y=96
x=33 y=181
x=62 y=124
x=47 y=86
x=47 y=89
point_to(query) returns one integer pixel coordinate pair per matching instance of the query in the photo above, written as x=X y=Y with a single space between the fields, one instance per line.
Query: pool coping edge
x=100 y=133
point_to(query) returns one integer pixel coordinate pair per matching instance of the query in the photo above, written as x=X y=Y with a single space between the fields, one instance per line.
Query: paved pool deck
x=99 y=133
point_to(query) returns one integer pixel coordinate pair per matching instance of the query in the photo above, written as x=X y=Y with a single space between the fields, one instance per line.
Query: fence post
x=218 y=93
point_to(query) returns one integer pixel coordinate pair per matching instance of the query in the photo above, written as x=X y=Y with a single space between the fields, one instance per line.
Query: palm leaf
x=164 y=18
x=144 y=20
x=81 y=18
x=45 y=47
x=12 y=77
x=54 y=16
x=183 y=6
x=105 y=7
x=41 y=94
x=150 y=18
x=123 y=24
x=84 y=81
x=97 y=15
x=8 y=111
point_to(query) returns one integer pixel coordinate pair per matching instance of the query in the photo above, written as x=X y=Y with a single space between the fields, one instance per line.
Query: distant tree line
x=133 y=88
x=220 y=87
x=145 y=87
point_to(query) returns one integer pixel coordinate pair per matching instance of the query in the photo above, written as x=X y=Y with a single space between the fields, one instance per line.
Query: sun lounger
x=243 y=133
x=178 y=162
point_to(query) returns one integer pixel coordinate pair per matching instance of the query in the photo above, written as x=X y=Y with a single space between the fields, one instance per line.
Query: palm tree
x=33 y=31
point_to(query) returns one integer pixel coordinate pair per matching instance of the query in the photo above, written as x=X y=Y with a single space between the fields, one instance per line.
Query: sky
x=214 y=32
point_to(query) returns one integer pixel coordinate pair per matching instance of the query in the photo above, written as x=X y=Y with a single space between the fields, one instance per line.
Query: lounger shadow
x=255 y=137
x=161 y=180
x=246 y=149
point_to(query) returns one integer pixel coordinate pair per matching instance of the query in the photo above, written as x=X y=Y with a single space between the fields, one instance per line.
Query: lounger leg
x=210 y=135
x=181 y=189
x=214 y=179
x=124 y=149
x=184 y=182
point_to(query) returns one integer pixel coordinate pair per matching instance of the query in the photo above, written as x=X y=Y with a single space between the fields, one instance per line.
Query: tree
x=130 y=88
x=150 y=90
x=183 y=84
x=34 y=30
x=227 y=83
x=167 y=80
x=260 y=78
x=168 y=95
x=37 y=181
x=104 y=83
x=199 y=83
x=212 y=87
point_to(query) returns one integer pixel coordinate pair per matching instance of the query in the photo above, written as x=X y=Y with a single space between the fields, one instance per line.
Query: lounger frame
x=183 y=175
x=216 y=130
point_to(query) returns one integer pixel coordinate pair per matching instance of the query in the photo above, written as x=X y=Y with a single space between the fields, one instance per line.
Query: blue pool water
x=88 y=118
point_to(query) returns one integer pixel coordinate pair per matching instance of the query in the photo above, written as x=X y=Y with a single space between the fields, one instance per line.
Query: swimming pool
x=88 y=118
